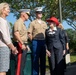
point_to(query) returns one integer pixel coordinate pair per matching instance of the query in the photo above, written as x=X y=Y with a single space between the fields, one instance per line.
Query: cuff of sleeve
x=8 y=43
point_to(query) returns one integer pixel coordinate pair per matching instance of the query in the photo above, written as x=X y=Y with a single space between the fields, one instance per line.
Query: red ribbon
x=19 y=59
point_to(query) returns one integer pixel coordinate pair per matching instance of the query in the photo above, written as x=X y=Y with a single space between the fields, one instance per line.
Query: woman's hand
x=48 y=53
x=64 y=51
x=14 y=50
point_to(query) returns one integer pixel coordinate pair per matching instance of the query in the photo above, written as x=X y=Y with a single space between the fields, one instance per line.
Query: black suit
x=66 y=41
x=55 y=44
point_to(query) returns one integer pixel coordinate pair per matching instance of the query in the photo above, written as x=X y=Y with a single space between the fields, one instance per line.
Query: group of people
x=48 y=39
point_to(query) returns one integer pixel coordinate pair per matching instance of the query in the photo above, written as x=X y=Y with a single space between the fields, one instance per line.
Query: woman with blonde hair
x=5 y=40
x=65 y=35
x=66 y=42
x=60 y=26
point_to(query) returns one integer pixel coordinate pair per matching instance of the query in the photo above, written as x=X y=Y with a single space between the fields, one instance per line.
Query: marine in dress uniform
x=36 y=33
x=55 y=47
x=20 y=38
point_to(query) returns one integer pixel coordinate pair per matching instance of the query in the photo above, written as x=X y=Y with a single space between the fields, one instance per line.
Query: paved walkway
x=71 y=70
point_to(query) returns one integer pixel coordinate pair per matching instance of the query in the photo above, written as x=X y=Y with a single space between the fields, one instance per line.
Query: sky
x=11 y=18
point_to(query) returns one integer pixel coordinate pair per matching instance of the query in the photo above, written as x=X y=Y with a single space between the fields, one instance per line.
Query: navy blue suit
x=55 y=44
x=66 y=41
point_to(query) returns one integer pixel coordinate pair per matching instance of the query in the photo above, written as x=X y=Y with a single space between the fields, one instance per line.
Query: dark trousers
x=20 y=67
x=39 y=57
x=56 y=62
x=23 y=61
x=64 y=61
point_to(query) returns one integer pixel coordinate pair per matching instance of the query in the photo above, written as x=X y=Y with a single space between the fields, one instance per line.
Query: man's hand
x=28 y=48
x=23 y=47
x=30 y=37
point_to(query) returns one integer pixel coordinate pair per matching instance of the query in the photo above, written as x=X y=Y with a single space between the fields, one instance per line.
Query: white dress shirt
x=52 y=31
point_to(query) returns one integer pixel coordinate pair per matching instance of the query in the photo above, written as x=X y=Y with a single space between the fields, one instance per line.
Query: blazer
x=54 y=39
x=66 y=39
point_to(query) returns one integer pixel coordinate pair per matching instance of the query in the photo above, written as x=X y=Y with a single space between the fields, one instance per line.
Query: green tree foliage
x=51 y=8
x=72 y=38
x=69 y=12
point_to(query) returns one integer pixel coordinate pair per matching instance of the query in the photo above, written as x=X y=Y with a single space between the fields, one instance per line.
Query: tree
x=51 y=8
x=69 y=12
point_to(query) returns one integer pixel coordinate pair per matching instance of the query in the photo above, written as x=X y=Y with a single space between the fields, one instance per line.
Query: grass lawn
x=73 y=57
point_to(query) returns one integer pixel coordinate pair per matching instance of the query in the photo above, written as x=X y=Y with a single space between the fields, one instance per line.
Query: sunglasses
x=39 y=12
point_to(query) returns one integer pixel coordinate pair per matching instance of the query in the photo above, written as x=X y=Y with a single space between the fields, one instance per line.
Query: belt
x=38 y=39
x=25 y=43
